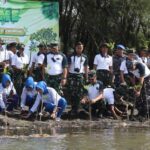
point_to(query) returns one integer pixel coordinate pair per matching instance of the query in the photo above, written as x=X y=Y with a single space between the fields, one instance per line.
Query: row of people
x=57 y=70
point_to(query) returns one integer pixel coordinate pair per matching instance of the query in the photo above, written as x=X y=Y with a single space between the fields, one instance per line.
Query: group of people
x=51 y=80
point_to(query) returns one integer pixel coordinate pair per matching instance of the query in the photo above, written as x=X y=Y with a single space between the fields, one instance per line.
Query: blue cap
x=120 y=46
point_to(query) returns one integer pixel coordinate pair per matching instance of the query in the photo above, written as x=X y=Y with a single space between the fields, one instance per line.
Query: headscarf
x=43 y=86
x=5 y=79
x=29 y=83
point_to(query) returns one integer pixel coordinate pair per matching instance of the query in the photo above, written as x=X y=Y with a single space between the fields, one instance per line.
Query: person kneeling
x=110 y=100
x=50 y=100
x=8 y=96
x=93 y=99
x=28 y=95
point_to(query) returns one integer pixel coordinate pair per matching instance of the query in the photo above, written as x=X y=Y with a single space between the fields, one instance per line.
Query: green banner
x=29 y=22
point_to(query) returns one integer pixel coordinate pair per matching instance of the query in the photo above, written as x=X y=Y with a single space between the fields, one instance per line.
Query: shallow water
x=75 y=139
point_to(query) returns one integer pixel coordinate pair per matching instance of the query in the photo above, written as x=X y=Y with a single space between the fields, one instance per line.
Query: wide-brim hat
x=41 y=45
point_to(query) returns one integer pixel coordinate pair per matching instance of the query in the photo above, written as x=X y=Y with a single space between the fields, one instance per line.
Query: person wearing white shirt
x=78 y=74
x=142 y=86
x=94 y=95
x=12 y=50
x=109 y=98
x=142 y=56
x=37 y=64
x=4 y=58
x=103 y=65
x=56 y=68
x=125 y=75
x=8 y=96
x=28 y=94
x=50 y=100
x=20 y=63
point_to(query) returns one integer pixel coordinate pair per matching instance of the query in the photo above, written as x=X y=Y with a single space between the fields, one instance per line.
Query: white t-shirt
x=123 y=67
x=19 y=62
x=4 y=55
x=94 y=90
x=137 y=74
x=51 y=97
x=56 y=63
x=38 y=59
x=102 y=62
x=11 y=55
x=109 y=95
x=4 y=92
x=77 y=62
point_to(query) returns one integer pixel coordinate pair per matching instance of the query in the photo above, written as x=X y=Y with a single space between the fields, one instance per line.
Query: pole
x=41 y=113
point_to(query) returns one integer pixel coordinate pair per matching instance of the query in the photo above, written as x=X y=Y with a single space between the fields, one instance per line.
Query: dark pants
x=143 y=103
x=104 y=76
x=11 y=103
x=54 y=82
x=30 y=101
x=75 y=89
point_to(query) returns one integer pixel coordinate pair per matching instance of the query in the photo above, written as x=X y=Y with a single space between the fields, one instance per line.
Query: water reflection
x=75 y=139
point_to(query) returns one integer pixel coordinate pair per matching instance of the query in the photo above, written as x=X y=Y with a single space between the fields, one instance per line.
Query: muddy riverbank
x=101 y=123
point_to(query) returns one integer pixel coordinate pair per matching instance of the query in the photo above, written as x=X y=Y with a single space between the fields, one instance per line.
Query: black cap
x=41 y=45
x=20 y=46
x=54 y=45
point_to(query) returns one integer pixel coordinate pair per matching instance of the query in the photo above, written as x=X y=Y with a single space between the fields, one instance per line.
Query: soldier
x=141 y=77
x=78 y=69
x=103 y=65
x=56 y=68
x=37 y=68
x=142 y=55
x=93 y=95
x=117 y=60
x=125 y=74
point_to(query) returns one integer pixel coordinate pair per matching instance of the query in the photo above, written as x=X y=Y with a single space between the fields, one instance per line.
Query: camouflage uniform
x=37 y=74
x=104 y=76
x=125 y=97
x=75 y=89
x=54 y=82
x=75 y=85
x=56 y=63
x=116 y=69
x=143 y=102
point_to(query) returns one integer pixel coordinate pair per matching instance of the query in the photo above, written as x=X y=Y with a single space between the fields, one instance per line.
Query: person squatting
x=118 y=84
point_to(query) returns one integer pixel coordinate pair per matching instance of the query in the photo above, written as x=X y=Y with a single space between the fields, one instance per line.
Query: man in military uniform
x=37 y=67
x=93 y=98
x=78 y=71
x=56 y=68
x=117 y=60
